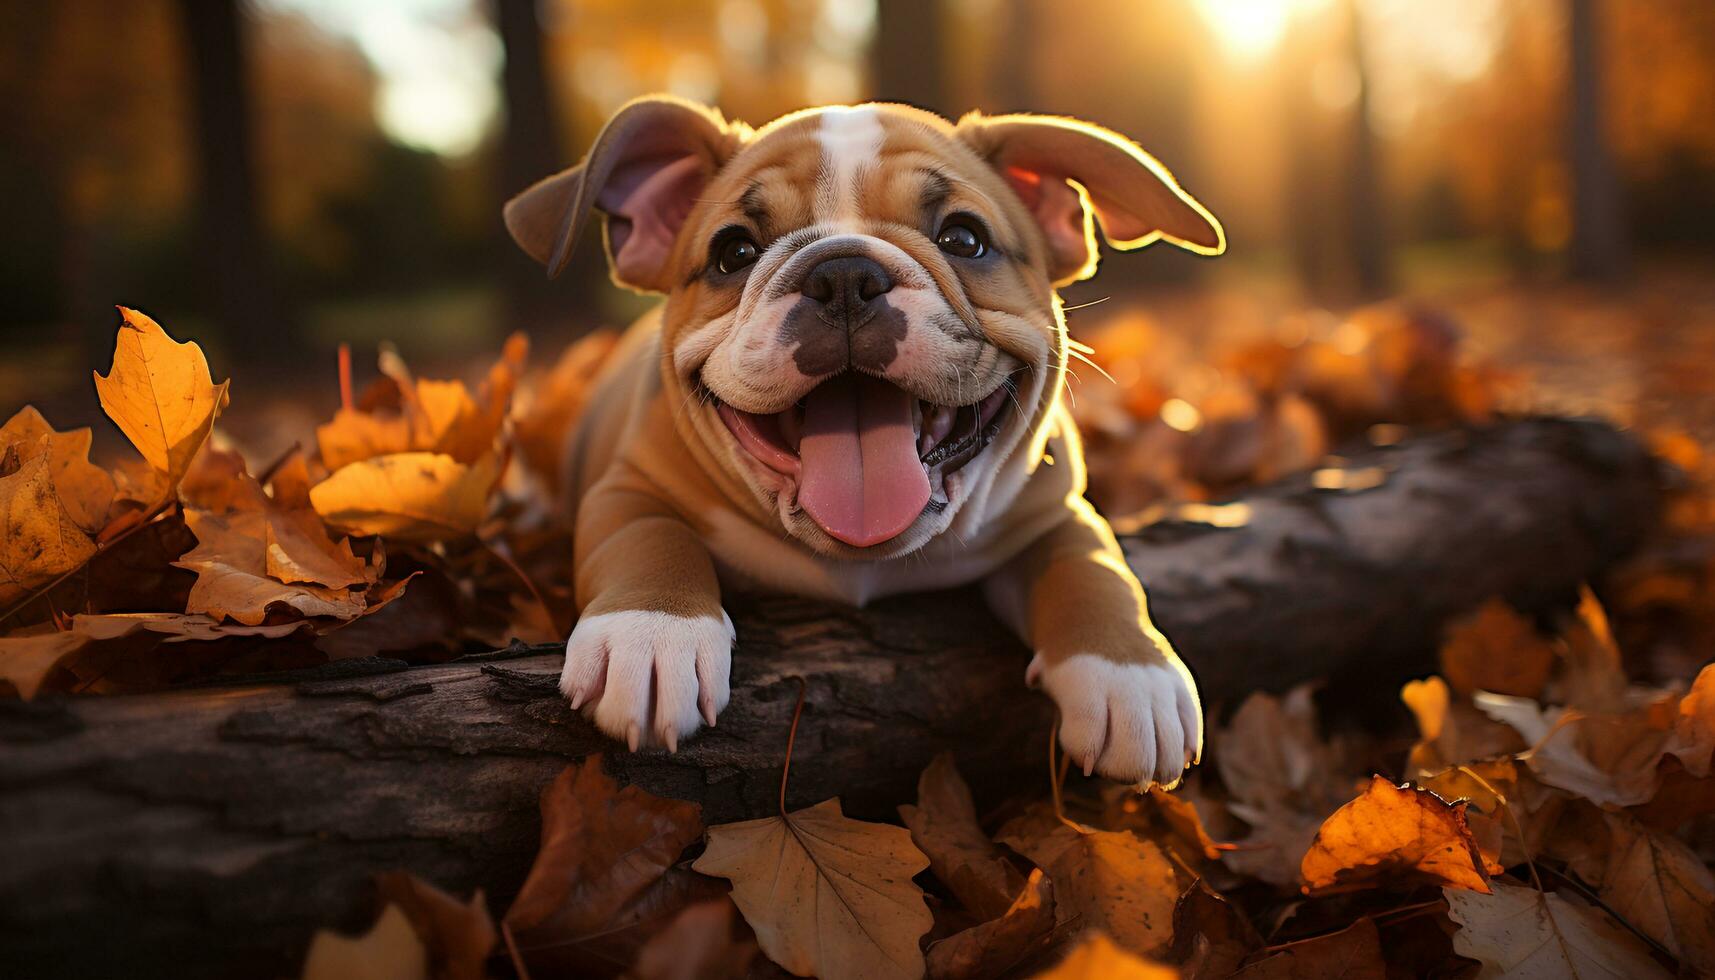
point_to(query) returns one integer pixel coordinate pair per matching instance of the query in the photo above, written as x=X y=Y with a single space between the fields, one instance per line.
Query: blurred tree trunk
x=246 y=302
x=1599 y=248
x=1012 y=64
x=909 y=55
x=1366 y=218
x=530 y=150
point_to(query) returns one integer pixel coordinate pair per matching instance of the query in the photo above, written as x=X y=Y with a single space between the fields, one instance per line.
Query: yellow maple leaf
x=1097 y=958
x=161 y=396
x=827 y=895
x=86 y=489
x=412 y=496
x=39 y=537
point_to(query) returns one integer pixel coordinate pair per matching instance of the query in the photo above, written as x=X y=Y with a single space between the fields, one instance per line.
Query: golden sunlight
x=1251 y=28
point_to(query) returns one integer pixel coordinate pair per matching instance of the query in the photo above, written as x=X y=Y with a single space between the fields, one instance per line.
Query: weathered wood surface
x=207 y=832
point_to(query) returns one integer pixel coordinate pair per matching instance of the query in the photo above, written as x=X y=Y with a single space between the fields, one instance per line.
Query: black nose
x=847 y=287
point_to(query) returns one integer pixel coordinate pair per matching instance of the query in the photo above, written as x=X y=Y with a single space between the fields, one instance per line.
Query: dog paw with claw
x=649 y=678
x=1132 y=722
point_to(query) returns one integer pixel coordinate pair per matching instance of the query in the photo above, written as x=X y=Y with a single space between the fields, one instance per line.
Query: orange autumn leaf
x=992 y=948
x=555 y=399
x=697 y=945
x=1108 y=880
x=411 y=496
x=1496 y=649
x=1392 y=833
x=432 y=416
x=161 y=396
x=84 y=488
x=39 y=537
x=827 y=895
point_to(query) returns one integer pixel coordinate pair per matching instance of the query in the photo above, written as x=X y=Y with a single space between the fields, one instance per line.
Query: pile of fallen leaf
x=393 y=534
x=1550 y=819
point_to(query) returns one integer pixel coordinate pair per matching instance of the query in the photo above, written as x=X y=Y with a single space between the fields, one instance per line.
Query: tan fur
x=671 y=509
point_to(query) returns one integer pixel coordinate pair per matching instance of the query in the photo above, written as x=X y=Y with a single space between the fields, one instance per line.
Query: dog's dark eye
x=960 y=238
x=734 y=252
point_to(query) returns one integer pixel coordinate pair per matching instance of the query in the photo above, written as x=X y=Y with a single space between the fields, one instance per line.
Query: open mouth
x=865 y=452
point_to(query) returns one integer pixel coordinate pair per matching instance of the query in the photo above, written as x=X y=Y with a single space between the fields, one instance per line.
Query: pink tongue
x=860 y=478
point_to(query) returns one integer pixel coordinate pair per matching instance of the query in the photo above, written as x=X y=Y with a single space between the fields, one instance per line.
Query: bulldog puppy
x=853 y=389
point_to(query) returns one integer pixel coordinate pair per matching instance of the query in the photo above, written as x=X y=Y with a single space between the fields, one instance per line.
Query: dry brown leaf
x=1098 y=958
x=1353 y=953
x=28 y=657
x=232 y=560
x=944 y=826
x=998 y=945
x=1694 y=728
x=1108 y=880
x=389 y=951
x=161 y=396
x=827 y=895
x=39 y=538
x=1521 y=933
x=456 y=935
x=697 y=945
x=1593 y=675
x=1496 y=649
x=84 y=488
x=1609 y=759
x=1657 y=884
x=1487 y=787
x=604 y=878
x=410 y=496
x=1394 y=834
x=1284 y=780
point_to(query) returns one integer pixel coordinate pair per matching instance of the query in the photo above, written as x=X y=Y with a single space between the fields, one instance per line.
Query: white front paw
x=1131 y=722
x=649 y=677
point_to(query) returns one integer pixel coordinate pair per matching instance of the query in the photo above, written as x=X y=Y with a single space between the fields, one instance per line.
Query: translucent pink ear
x=644 y=172
x=1128 y=191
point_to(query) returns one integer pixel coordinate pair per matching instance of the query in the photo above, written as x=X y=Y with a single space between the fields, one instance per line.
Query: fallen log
x=208 y=832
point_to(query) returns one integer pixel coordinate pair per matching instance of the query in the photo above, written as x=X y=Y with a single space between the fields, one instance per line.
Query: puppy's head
x=861 y=320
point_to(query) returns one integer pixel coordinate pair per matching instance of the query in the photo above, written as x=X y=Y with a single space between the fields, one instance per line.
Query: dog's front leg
x=652 y=651
x=1128 y=706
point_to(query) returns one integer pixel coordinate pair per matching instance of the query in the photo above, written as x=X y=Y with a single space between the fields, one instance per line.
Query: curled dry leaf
x=944 y=826
x=1353 y=953
x=1108 y=880
x=604 y=877
x=232 y=561
x=828 y=896
x=1211 y=938
x=1486 y=787
x=697 y=945
x=1394 y=834
x=456 y=935
x=994 y=947
x=1496 y=649
x=39 y=537
x=28 y=657
x=1522 y=933
x=1098 y=958
x=411 y=496
x=388 y=951
x=84 y=488
x=161 y=396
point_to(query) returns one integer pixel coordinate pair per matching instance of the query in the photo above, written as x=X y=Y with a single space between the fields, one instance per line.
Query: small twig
x=345 y=399
x=267 y=472
x=101 y=548
x=506 y=934
x=791 y=739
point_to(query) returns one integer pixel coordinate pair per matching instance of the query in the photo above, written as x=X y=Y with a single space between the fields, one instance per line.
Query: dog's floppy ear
x=1133 y=196
x=644 y=173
